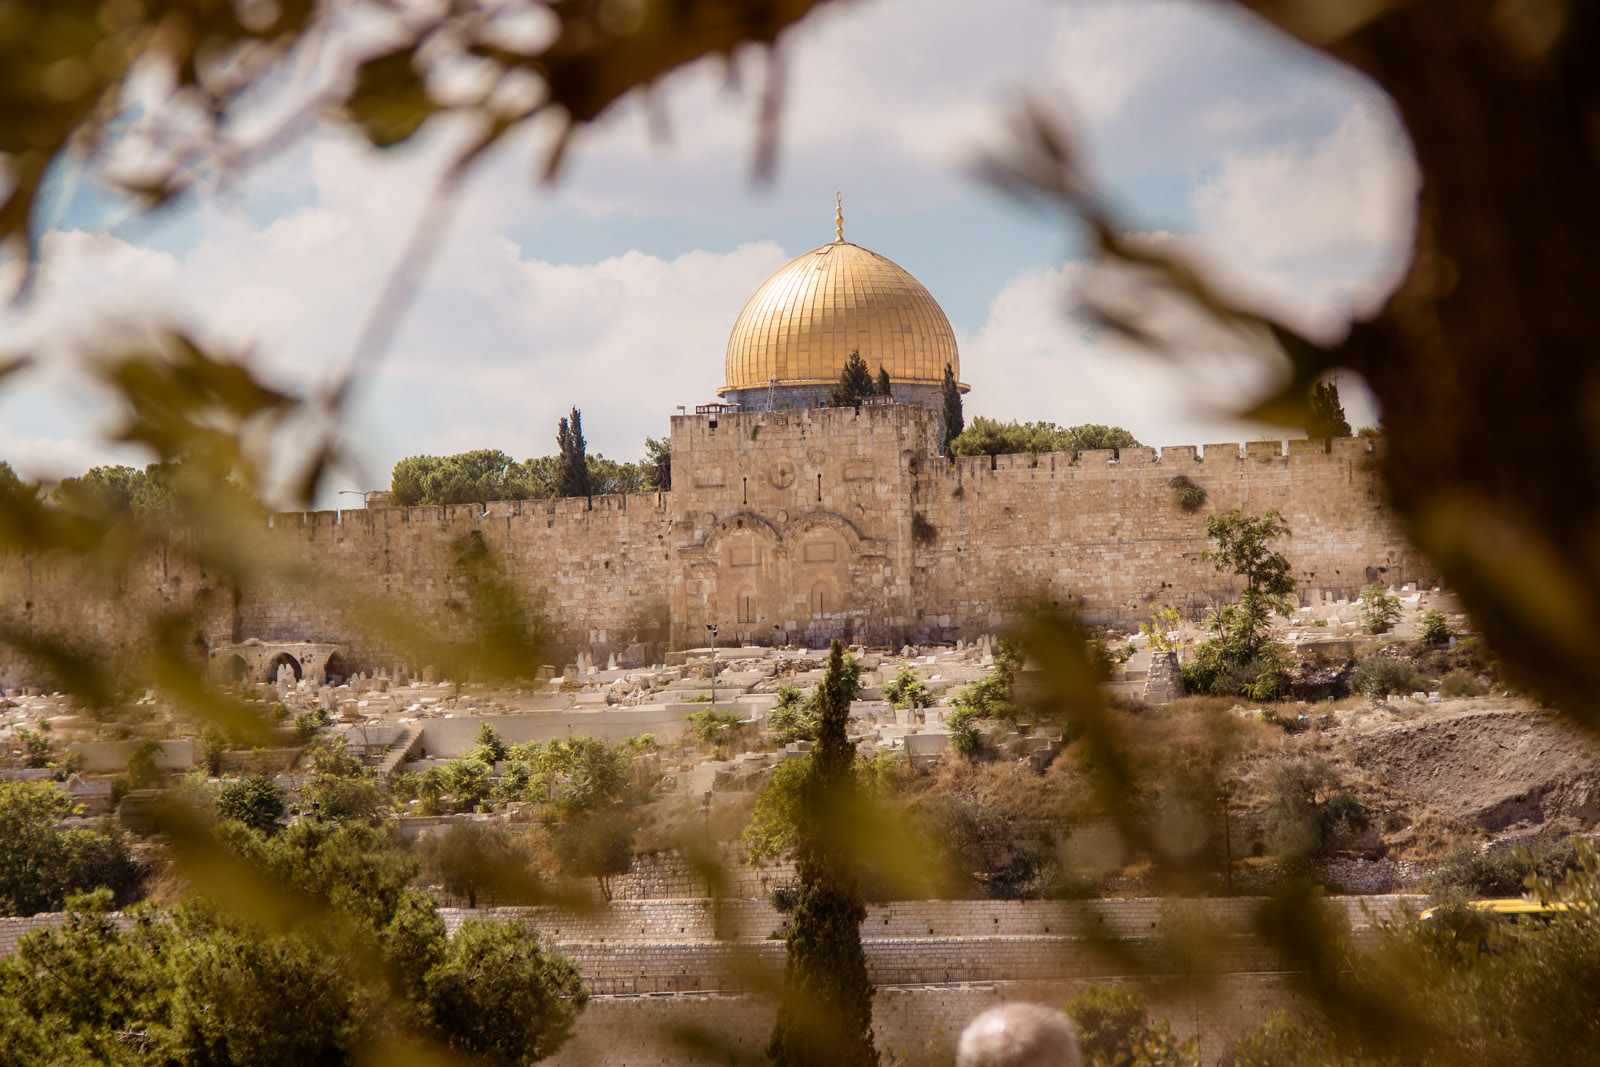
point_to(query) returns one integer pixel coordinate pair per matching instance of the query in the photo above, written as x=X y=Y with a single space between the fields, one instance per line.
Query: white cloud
x=1038 y=358
x=1105 y=53
x=886 y=100
x=492 y=351
x=1336 y=216
x=1311 y=233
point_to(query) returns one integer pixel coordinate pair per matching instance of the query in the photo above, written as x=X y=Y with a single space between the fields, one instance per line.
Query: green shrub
x=1377 y=676
x=989 y=698
x=255 y=801
x=710 y=726
x=1308 y=809
x=1162 y=622
x=1278 y=1042
x=36 y=747
x=308 y=724
x=1504 y=872
x=908 y=690
x=793 y=717
x=1186 y=494
x=1380 y=610
x=67 y=764
x=1109 y=1019
x=1213 y=671
x=40 y=863
x=490 y=748
x=1433 y=628
x=1101 y=659
x=1461 y=683
x=961 y=724
x=212 y=745
x=142 y=770
x=1112 y=1032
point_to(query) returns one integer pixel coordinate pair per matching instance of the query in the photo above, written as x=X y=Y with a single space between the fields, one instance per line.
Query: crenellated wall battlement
x=1174 y=459
x=592 y=509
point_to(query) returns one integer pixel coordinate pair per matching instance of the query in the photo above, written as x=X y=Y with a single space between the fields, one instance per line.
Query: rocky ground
x=1494 y=764
x=1431 y=770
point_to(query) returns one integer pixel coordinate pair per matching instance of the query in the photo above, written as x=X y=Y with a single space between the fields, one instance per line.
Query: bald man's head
x=1018 y=1035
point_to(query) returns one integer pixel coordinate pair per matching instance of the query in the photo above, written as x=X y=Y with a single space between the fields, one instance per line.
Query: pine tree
x=855 y=382
x=1327 y=414
x=572 y=478
x=825 y=1017
x=953 y=422
x=658 y=461
x=885 y=387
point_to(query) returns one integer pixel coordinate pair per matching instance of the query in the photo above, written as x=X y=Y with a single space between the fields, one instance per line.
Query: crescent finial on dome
x=838 y=217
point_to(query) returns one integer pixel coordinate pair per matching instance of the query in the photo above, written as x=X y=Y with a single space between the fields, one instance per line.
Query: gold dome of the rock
x=804 y=321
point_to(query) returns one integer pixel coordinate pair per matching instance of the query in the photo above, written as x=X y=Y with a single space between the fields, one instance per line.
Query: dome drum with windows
x=790 y=343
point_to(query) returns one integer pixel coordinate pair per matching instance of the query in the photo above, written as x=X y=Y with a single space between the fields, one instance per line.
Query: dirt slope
x=1504 y=769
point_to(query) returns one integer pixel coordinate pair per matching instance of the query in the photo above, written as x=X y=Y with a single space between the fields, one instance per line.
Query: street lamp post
x=712 y=627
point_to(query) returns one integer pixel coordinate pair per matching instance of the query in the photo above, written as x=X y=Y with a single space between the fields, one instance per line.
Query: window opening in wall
x=819 y=487
x=747 y=607
x=283 y=660
x=819 y=600
x=746 y=490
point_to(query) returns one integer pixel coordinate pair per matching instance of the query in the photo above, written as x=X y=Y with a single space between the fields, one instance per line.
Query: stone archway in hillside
x=283 y=659
x=334 y=671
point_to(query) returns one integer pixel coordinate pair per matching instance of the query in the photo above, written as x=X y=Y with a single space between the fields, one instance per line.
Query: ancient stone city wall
x=834 y=522
x=793 y=525
x=796 y=520
x=1103 y=532
x=597 y=571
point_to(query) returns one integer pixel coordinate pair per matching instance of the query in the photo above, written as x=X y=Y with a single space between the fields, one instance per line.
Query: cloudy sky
x=614 y=290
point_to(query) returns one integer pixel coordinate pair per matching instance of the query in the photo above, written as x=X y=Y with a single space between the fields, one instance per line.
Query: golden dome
x=803 y=323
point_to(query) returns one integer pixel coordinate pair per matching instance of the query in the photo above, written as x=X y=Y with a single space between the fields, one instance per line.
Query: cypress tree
x=572 y=476
x=825 y=1017
x=885 y=387
x=953 y=422
x=855 y=382
x=1327 y=414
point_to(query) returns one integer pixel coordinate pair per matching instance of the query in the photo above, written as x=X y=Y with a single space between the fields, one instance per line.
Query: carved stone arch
x=810 y=522
x=743 y=522
x=283 y=659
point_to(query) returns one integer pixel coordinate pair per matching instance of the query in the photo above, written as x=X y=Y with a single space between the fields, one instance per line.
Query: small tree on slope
x=825 y=1018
